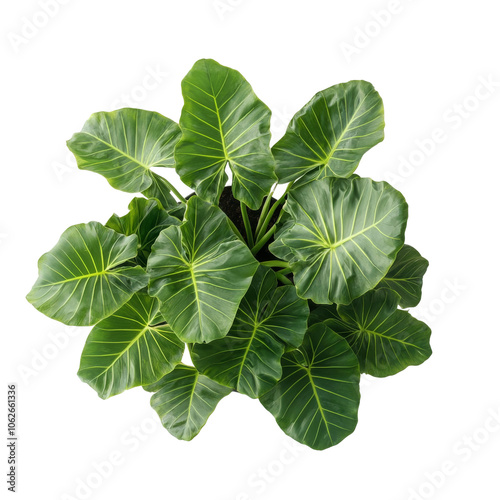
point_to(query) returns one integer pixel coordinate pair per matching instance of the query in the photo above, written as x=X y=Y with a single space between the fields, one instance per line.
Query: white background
x=427 y=59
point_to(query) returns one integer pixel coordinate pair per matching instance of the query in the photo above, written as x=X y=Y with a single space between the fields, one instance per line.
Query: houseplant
x=285 y=298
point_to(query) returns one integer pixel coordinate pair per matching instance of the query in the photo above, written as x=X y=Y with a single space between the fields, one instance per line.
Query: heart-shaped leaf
x=200 y=271
x=405 y=276
x=80 y=280
x=124 y=145
x=346 y=235
x=248 y=358
x=223 y=122
x=385 y=338
x=331 y=133
x=132 y=347
x=184 y=400
x=316 y=401
x=146 y=219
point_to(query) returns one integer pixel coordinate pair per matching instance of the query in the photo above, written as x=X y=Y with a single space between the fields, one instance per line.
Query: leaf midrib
x=360 y=331
x=355 y=235
x=247 y=350
x=191 y=397
x=196 y=292
x=221 y=132
x=320 y=407
x=82 y=277
x=122 y=353
x=112 y=146
x=339 y=140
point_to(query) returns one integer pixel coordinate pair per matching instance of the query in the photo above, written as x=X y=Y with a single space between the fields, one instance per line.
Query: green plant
x=286 y=300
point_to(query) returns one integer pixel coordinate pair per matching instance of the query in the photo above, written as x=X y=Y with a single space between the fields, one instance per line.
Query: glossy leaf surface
x=316 y=401
x=132 y=347
x=124 y=145
x=79 y=281
x=406 y=276
x=200 y=271
x=385 y=339
x=223 y=122
x=331 y=133
x=146 y=219
x=184 y=400
x=248 y=358
x=346 y=235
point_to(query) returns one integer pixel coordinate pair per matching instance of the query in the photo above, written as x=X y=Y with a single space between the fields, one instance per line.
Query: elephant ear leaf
x=132 y=347
x=406 y=276
x=223 y=122
x=316 y=401
x=200 y=271
x=124 y=145
x=248 y=358
x=184 y=399
x=82 y=279
x=385 y=339
x=345 y=237
x=146 y=219
x=331 y=133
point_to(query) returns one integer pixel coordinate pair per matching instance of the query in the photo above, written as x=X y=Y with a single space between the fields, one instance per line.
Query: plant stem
x=172 y=188
x=270 y=214
x=265 y=209
x=248 y=226
x=263 y=240
x=285 y=271
x=235 y=229
x=283 y=279
x=275 y=263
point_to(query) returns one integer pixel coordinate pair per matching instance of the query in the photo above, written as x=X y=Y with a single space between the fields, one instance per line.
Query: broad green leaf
x=346 y=235
x=316 y=401
x=200 y=271
x=132 y=347
x=405 y=276
x=331 y=133
x=223 y=122
x=184 y=401
x=146 y=219
x=160 y=190
x=81 y=281
x=385 y=338
x=248 y=358
x=124 y=145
